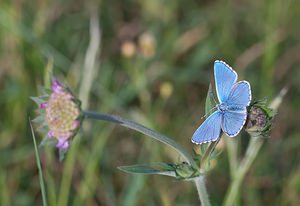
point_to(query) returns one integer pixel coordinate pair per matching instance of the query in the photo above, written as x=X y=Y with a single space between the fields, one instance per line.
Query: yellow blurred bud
x=166 y=90
x=128 y=49
x=147 y=44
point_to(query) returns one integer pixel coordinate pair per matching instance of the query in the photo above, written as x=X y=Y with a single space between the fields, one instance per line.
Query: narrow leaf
x=209 y=103
x=38 y=161
x=37 y=100
x=164 y=166
x=143 y=169
x=39 y=119
x=47 y=141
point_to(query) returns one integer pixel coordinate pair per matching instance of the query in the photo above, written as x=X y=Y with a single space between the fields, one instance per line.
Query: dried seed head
x=256 y=118
x=259 y=120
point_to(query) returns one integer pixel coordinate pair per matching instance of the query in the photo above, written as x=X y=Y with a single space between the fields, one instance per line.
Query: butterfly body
x=231 y=113
x=223 y=107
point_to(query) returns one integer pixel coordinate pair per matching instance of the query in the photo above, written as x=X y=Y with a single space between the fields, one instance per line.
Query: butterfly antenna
x=210 y=111
x=214 y=100
x=204 y=116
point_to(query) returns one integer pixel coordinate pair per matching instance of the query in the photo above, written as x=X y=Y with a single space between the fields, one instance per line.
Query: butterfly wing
x=225 y=78
x=233 y=122
x=240 y=95
x=209 y=130
x=235 y=118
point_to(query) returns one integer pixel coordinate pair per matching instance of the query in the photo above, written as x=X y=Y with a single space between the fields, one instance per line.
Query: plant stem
x=144 y=130
x=66 y=181
x=202 y=193
x=232 y=150
x=209 y=150
x=199 y=181
x=252 y=151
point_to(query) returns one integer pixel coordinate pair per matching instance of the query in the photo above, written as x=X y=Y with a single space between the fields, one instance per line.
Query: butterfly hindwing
x=233 y=122
x=225 y=78
x=209 y=130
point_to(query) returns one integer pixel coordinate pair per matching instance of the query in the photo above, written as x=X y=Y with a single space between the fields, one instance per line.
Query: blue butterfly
x=231 y=113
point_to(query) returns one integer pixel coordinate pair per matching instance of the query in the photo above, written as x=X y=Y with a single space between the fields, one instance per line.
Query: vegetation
x=152 y=62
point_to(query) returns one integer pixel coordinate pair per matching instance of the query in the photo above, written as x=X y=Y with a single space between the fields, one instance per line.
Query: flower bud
x=259 y=120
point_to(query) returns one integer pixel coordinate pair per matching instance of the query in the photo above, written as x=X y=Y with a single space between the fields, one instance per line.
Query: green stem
x=66 y=181
x=199 y=181
x=232 y=150
x=144 y=130
x=209 y=150
x=202 y=193
x=252 y=151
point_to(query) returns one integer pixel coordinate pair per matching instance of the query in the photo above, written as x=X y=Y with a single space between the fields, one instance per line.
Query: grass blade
x=41 y=177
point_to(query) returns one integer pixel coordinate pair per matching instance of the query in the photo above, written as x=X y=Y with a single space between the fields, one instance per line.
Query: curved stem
x=232 y=150
x=144 y=130
x=199 y=181
x=252 y=151
x=202 y=193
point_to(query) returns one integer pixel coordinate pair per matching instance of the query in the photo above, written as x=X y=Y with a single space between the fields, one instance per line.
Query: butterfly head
x=223 y=107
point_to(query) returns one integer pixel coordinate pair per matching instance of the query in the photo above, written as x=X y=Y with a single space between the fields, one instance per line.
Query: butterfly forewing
x=209 y=130
x=225 y=78
x=240 y=95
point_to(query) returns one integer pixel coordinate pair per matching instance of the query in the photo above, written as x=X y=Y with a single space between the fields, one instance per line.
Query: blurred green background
x=150 y=61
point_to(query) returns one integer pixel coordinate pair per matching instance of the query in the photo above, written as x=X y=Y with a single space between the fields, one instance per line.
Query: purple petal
x=76 y=124
x=62 y=144
x=50 y=134
x=70 y=96
x=43 y=105
x=56 y=86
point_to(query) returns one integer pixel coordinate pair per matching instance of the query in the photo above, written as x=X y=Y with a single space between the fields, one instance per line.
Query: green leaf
x=262 y=104
x=164 y=166
x=47 y=141
x=41 y=111
x=61 y=154
x=143 y=169
x=39 y=119
x=45 y=91
x=185 y=171
x=270 y=113
x=37 y=100
x=41 y=129
x=203 y=148
x=209 y=103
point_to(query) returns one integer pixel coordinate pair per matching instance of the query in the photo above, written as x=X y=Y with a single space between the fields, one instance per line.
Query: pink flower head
x=62 y=115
